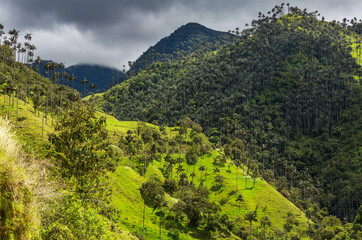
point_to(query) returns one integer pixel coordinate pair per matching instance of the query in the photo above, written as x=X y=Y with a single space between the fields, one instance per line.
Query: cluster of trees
x=281 y=99
x=282 y=84
x=19 y=81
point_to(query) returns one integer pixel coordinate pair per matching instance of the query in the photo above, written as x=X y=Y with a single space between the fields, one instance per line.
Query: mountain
x=103 y=77
x=185 y=39
x=62 y=164
x=288 y=88
x=258 y=139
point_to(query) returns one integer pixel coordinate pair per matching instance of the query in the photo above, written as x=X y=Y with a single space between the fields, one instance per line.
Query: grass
x=126 y=182
x=18 y=176
x=268 y=199
x=129 y=203
x=127 y=199
x=28 y=128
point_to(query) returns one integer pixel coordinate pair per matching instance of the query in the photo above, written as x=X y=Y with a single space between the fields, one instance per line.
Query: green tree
x=251 y=217
x=240 y=199
x=80 y=142
x=154 y=196
x=265 y=222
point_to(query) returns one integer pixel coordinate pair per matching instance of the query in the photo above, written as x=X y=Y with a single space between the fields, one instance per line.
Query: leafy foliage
x=81 y=149
x=279 y=86
x=183 y=40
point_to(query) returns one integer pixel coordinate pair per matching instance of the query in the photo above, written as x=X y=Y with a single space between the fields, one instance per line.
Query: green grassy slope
x=270 y=202
x=126 y=182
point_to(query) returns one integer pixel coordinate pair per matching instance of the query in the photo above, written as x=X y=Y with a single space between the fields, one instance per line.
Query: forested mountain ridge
x=69 y=172
x=285 y=84
x=281 y=107
x=183 y=40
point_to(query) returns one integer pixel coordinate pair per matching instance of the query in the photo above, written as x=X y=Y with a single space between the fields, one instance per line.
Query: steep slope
x=126 y=182
x=185 y=39
x=285 y=80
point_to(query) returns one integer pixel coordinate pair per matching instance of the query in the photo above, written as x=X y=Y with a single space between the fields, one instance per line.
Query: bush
x=70 y=219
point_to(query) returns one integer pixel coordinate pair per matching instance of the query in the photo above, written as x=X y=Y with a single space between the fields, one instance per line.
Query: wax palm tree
x=170 y=166
x=265 y=222
x=19 y=46
x=160 y=204
x=14 y=40
x=29 y=60
x=2 y=32
x=72 y=79
x=251 y=217
x=61 y=66
x=240 y=199
x=84 y=82
x=27 y=44
x=47 y=68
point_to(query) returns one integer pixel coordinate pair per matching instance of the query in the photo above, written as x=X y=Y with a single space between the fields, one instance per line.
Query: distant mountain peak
x=192 y=25
x=184 y=38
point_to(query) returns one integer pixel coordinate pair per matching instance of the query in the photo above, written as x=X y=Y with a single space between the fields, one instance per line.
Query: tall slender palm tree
x=240 y=199
x=1 y=32
x=14 y=34
x=29 y=53
x=47 y=68
x=264 y=222
x=19 y=46
x=62 y=67
x=251 y=217
x=73 y=79
x=84 y=82
x=27 y=44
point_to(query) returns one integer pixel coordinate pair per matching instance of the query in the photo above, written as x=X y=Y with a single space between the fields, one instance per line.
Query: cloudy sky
x=113 y=32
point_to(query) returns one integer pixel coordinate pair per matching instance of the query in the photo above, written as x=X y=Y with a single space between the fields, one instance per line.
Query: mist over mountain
x=101 y=76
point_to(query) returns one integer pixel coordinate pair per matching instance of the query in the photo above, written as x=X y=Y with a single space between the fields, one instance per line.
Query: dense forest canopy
x=184 y=40
x=285 y=84
x=255 y=135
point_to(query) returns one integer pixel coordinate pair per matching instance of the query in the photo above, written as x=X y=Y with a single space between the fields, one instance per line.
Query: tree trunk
x=144 y=211
x=42 y=127
x=237 y=175
x=9 y=107
x=250 y=228
x=17 y=108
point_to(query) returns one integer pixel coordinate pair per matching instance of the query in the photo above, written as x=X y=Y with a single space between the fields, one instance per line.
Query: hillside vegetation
x=184 y=40
x=127 y=178
x=288 y=87
x=258 y=138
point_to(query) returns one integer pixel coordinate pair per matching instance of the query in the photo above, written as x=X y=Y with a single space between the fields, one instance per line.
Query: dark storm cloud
x=85 y=13
x=115 y=31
